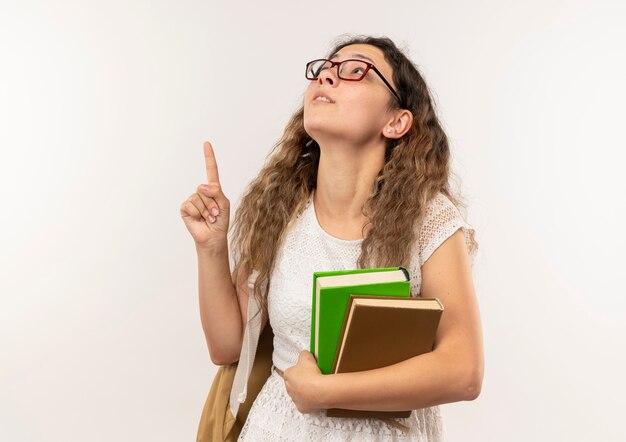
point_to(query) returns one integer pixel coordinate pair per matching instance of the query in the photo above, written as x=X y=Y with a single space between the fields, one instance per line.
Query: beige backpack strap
x=249 y=345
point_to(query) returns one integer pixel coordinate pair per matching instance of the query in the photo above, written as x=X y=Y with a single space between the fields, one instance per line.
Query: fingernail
x=214 y=211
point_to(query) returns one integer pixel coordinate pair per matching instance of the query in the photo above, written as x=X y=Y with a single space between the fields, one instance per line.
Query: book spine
x=406 y=273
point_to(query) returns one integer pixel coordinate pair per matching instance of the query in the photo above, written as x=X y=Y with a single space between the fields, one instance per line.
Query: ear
x=399 y=124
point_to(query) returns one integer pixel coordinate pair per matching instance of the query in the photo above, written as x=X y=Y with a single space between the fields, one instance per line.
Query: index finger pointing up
x=210 y=163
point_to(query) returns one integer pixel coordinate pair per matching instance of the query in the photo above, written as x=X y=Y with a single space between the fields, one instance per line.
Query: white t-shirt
x=308 y=248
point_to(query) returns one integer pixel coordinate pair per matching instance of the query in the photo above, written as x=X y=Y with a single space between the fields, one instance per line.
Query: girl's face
x=358 y=111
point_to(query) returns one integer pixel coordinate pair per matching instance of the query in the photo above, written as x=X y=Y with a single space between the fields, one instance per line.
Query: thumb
x=305 y=354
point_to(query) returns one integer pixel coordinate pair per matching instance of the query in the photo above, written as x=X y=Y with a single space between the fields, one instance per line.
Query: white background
x=103 y=110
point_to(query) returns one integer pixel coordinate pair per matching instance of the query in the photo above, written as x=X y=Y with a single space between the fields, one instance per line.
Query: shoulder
x=441 y=206
x=441 y=220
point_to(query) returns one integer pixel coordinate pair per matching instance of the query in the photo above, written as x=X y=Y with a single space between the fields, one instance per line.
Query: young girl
x=360 y=178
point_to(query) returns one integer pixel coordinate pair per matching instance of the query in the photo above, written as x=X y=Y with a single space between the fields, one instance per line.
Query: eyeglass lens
x=348 y=70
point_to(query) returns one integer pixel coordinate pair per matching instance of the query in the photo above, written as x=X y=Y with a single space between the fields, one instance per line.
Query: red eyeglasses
x=350 y=70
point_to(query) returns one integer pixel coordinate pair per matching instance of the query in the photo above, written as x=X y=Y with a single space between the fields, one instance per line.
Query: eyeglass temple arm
x=387 y=83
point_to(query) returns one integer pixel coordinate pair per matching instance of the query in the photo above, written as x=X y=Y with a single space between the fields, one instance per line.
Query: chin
x=315 y=126
x=323 y=127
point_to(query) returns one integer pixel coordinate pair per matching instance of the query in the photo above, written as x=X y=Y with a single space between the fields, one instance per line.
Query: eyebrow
x=364 y=57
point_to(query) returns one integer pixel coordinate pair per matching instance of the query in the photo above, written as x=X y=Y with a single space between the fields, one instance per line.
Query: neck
x=345 y=177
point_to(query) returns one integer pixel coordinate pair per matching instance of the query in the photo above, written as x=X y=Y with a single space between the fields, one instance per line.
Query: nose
x=329 y=76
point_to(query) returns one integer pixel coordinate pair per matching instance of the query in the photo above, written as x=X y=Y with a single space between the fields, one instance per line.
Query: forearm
x=423 y=381
x=219 y=308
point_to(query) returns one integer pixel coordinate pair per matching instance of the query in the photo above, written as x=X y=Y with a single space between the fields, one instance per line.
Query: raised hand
x=206 y=213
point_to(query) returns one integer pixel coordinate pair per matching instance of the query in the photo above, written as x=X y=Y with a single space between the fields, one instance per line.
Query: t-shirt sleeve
x=442 y=219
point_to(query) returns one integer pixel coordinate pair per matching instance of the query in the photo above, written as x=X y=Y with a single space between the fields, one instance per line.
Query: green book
x=331 y=295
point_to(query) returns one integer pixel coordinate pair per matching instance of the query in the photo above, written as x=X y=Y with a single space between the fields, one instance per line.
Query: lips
x=323 y=99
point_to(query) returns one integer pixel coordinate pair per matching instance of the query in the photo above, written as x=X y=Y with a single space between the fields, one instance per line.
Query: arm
x=220 y=313
x=452 y=372
x=223 y=301
x=223 y=306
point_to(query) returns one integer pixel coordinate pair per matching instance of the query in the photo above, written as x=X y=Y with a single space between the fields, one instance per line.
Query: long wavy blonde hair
x=417 y=167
